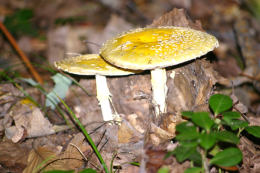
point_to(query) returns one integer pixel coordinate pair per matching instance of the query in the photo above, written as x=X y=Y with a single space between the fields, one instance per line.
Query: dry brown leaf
x=156 y=159
x=47 y=158
x=127 y=133
x=15 y=133
x=38 y=158
x=9 y=96
x=29 y=122
x=159 y=135
x=13 y=156
x=71 y=158
x=251 y=156
x=124 y=133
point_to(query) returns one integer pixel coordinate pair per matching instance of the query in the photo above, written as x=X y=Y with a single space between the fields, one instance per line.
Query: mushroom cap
x=150 y=48
x=91 y=64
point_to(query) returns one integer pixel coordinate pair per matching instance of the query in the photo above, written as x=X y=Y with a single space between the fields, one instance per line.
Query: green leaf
x=215 y=150
x=254 y=7
x=227 y=157
x=182 y=153
x=254 y=130
x=203 y=120
x=227 y=116
x=193 y=170
x=187 y=131
x=187 y=136
x=227 y=136
x=169 y=154
x=185 y=127
x=217 y=121
x=235 y=124
x=163 y=170
x=187 y=114
x=88 y=170
x=59 y=171
x=190 y=143
x=20 y=23
x=195 y=156
x=220 y=103
x=60 y=89
x=135 y=163
x=207 y=140
x=231 y=119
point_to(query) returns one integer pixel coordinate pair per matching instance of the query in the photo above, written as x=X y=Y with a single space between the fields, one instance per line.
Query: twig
x=249 y=77
x=21 y=53
x=82 y=154
x=89 y=139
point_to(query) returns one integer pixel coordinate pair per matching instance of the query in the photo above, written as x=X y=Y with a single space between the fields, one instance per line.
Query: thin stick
x=21 y=54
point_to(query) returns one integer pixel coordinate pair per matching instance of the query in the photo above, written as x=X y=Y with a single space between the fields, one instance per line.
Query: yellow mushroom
x=93 y=64
x=154 y=49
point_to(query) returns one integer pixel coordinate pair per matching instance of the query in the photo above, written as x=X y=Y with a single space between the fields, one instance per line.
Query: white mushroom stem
x=104 y=97
x=159 y=87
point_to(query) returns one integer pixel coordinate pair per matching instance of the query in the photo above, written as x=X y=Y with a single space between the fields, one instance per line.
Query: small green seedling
x=208 y=140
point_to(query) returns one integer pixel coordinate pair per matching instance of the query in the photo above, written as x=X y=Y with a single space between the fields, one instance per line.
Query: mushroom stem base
x=104 y=97
x=159 y=87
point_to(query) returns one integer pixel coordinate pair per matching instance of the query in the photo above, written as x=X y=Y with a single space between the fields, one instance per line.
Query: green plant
x=211 y=139
x=253 y=6
x=20 y=23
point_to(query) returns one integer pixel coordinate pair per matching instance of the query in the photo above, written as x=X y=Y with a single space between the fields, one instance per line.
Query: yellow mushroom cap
x=150 y=48
x=91 y=64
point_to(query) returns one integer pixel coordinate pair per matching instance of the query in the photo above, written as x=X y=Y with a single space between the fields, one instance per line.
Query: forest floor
x=38 y=135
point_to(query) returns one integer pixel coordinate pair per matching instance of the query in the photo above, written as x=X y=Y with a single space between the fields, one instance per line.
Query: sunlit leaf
x=230 y=115
x=254 y=130
x=227 y=157
x=193 y=170
x=220 y=103
x=187 y=114
x=202 y=119
x=227 y=136
x=207 y=140
x=235 y=124
x=163 y=170
x=187 y=136
x=215 y=150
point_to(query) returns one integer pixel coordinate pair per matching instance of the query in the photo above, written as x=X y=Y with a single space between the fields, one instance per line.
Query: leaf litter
x=33 y=137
